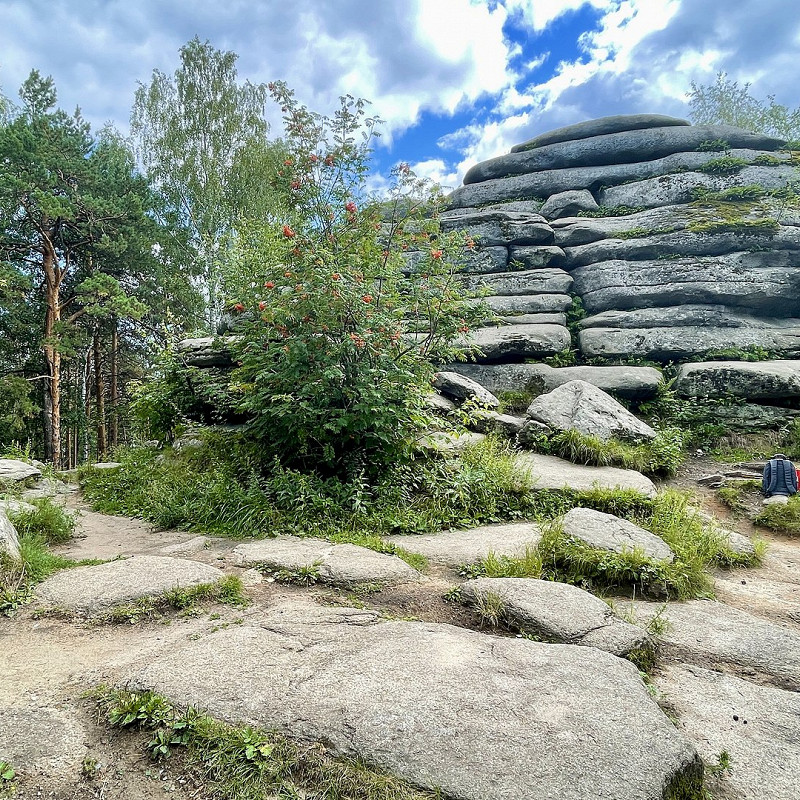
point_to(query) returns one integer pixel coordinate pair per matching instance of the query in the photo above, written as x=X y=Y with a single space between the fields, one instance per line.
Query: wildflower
x=262 y=305
x=336 y=276
x=295 y=185
x=328 y=161
x=238 y=307
x=288 y=232
x=436 y=254
x=287 y=274
x=350 y=207
x=367 y=298
x=313 y=158
x=299 y=287
x=269 y=285
x=288 y=162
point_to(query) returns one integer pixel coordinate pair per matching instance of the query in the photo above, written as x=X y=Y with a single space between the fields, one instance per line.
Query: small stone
x=457 y=386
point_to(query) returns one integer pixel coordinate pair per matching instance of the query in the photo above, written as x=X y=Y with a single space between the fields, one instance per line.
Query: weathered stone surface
x=206 y=352
x=679 y=188
x=501 y=227
x=9 y=505
x=528 y=304
x=578 y=405
x=454 y=548
x=459 y=387
x=338 y=564
x=632 y=383
x=575 y=231
x=439 y=404
x=484 y=259
x=520 y=341
x=668 y=344
x=617 y=148
x=492 y=422
x=14 y=471
x=48 y=487
x=106 y=465
x=549 y=472
x=558 y=612
x=536 y=257
x=537 y=281
x=756 y=725
x=607 y=532
x=747 y=417
x=700 y=316
x=530 y=435
x=711 y=634
x=544 y=318
x=740 y=544
x=524 y=206
x=599 y=127
x=765 y=283
x=443 y=442
x=506 y=192
x=489 y=718
x=760 y=380
x=568 y=204
x=9 y=541
x=681 y=243
x=41 y=741
x=95 y=589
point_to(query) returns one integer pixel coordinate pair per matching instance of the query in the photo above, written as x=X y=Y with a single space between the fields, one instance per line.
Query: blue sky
x=456 y=81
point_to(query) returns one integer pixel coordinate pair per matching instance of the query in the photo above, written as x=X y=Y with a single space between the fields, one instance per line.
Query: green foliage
x=725 y=165
x=767 y=160
x=228 y=590
x=746 y=227
x=514 y=401
x=725 y=102
x=244 y=762
x=663 y=455
x=713 y=146
x=351 y=303
x=48 y=523
x=612 y=211
x=17 y=409
x=566 y=358
x=735 y=194
x=781 y=518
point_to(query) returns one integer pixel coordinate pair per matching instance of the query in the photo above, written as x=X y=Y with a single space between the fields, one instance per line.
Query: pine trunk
x=99 y=396
x=52 y=356
x=114 y=396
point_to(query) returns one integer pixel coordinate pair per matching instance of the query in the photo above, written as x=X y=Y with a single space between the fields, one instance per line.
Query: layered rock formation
x=680 y=241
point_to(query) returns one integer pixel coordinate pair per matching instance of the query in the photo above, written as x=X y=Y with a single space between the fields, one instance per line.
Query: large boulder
x=632 y=383
x=680 y=244
x=517 y=342
x=670 y=344
x=577 y=405
x=536 y=281
x=473 y=716
x=607 y=532
x=451 y=384
x=9 y=541
x=689 y=315
x=668 y=190
x=539 y=257
x=510 y=191
x=762 y=380
x=568 y=204
x=528 y=303
x=492 y=228
x=206 y=352
x=14 y=471
x=617 y=148
x=761 y=282
x=558 y=612
x=599 y=127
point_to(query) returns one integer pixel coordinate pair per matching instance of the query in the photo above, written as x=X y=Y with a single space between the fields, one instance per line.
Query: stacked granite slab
x=518 y=269
x=662 y=274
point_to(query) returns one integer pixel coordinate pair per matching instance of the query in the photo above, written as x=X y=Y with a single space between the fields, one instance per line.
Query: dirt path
x=48 y=663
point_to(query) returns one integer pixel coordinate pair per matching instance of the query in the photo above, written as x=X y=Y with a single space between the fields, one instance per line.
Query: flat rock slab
x=456 y=548
x=711 y=634
x=93 y=590
x=451 y=384
x=759 y=726
x=761 y=380
x=479 y=717
x=549 y=472
x=41 y=741
x=338 y=564
x=558 y=612
x=607 y=532
x=12 y=471
x=521 y=341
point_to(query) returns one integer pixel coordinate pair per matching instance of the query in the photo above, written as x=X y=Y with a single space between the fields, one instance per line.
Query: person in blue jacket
x=780 y=478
